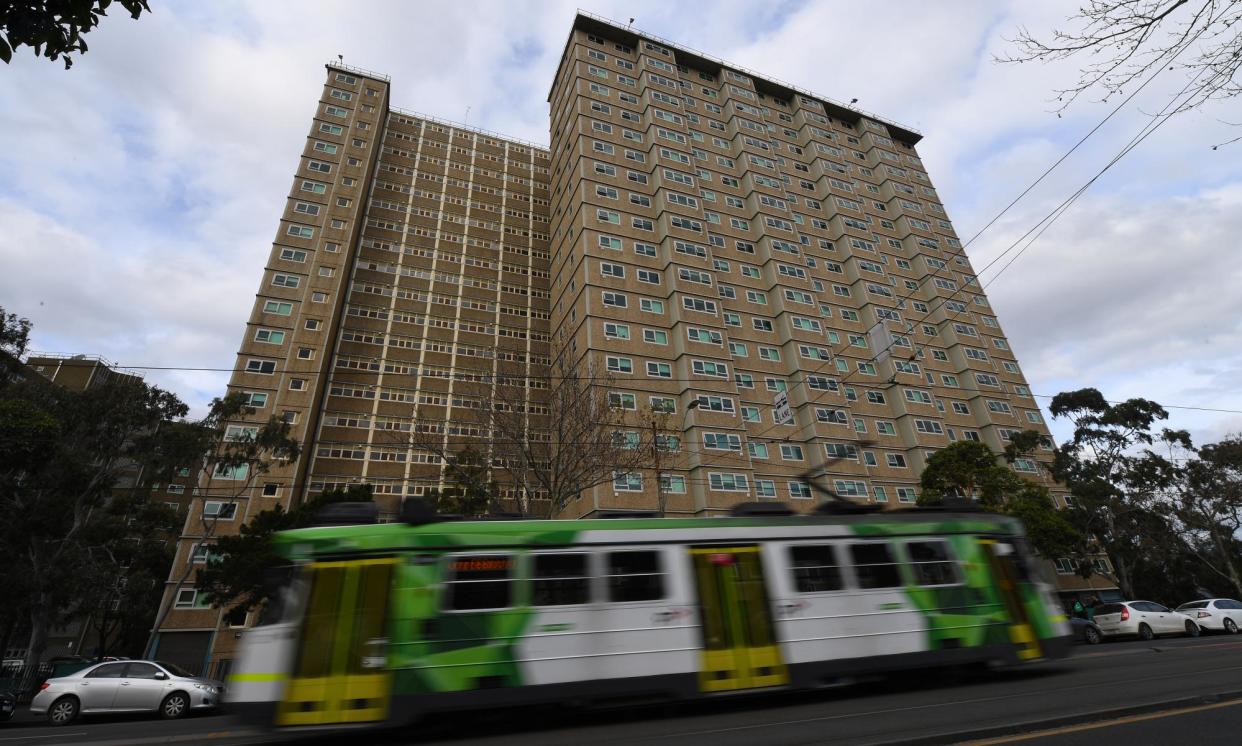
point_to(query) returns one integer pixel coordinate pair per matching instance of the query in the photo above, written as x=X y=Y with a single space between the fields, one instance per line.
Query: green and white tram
x=385 y=622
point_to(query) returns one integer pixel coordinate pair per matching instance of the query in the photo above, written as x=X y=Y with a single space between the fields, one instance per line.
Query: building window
x=220 y=510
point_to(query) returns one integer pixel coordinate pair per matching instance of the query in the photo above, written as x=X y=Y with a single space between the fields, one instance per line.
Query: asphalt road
x=1123 y=693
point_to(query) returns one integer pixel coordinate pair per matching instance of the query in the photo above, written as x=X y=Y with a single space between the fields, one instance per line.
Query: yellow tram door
x=1006 y=577
x=739 y=646
x=340 y=674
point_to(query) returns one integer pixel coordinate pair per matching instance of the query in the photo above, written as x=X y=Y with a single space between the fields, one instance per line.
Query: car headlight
x=206 y=687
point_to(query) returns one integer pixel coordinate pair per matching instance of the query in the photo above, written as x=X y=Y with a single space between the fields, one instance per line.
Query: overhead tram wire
x=922 y=280
x=1165 y=114
x=820 y=369
x=878 y=386
x=1046 y=222
x=906 y=297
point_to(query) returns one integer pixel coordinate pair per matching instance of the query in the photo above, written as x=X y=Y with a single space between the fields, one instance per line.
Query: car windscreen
x=1193 y=605
x=1108 y=609
x=175 y=670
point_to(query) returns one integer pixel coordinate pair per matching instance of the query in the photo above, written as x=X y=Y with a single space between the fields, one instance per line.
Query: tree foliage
x=14 y=334
x=235 y=574
x=970 y=469
x=135 y=547
x=1209 y=506
x=471 y=490
x=231 y=453
x=1118 y=482
x=65 y=456
x=55 y=28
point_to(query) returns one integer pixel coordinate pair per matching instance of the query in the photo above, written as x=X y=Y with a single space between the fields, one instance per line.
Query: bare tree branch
x=1123 y=40
x=552 y=434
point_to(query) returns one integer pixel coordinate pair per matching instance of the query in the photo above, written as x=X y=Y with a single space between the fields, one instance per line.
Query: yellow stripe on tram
x=240 y=678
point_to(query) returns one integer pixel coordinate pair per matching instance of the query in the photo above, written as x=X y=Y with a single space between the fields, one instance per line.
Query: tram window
x=634 y=576
x=932 y=563
x=481 y=581
x=815 y=568
x=874 y=566
x=560 y=580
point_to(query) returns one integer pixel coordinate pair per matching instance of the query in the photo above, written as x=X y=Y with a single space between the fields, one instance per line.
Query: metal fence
x=24 y=681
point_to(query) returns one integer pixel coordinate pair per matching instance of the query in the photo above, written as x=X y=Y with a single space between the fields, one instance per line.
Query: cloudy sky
x=140 y=191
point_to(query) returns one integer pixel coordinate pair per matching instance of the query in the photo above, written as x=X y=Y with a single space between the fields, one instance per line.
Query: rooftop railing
x=339 y=65
x=725 y=63
x=470 y=127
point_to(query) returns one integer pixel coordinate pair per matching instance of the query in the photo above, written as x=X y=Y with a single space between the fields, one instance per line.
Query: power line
x=1048 y=220
x=620 y=382
x=942 y=300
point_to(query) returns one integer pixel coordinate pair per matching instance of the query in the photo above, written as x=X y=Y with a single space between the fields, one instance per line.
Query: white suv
x=1143 y=619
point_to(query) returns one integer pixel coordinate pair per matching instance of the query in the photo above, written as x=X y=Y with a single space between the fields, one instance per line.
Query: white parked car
x=1142 y=619
x=1217 y=614
x=125 y=686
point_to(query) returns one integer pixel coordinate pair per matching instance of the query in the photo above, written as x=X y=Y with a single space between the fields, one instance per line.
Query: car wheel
x=1145 y=633
x=1192 y=629
x=175 y=705
x=1092 y=636
x=63 y=711
x=1231 y=626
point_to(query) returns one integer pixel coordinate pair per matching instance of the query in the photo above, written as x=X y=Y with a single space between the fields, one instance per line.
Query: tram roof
x=450 y=535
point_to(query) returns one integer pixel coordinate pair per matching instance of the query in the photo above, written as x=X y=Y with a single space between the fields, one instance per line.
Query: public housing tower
x=708 y=237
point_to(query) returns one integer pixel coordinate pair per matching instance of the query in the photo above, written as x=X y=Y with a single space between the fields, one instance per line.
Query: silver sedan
x=125 y=686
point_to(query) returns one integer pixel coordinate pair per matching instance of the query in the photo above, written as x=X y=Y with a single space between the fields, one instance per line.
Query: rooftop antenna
x=467 y=119
x=340 y=58
x=853 y=101
x=631 y=23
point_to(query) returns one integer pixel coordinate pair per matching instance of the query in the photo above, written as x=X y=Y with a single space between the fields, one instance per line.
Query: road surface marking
x=912 y=708
x=1109 y=654
x=52 y=735
x=1100 y=724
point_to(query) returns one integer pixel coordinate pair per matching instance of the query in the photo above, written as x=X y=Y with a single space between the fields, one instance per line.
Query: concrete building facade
x=711 y=240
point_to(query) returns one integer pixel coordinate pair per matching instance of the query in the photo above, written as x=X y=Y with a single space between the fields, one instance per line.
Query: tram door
x=740 y=650
x=1006 y=575
x=340 y=674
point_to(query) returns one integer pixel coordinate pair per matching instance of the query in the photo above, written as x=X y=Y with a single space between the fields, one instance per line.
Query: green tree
x=1210 y=505
x=969 y=469
x=231 y=454
x=133 y=549
x=472 y=492
x=235 y=574
x=1118 y=482
x=62 y=453
x=14 y=334
x=54 y=28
